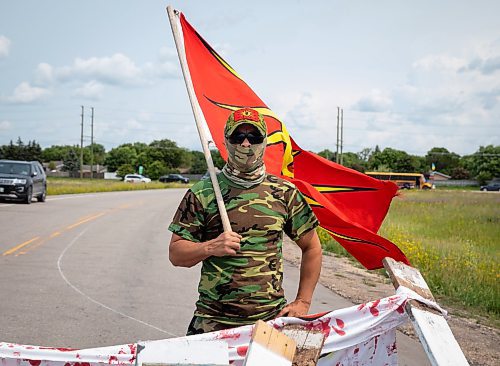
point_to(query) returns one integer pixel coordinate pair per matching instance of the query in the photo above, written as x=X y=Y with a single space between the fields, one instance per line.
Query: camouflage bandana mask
x=245 y=165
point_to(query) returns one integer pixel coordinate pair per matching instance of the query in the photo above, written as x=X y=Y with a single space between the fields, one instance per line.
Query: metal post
x=92 y=145
x=81 y=148
x=341 y=135
x=337 y=151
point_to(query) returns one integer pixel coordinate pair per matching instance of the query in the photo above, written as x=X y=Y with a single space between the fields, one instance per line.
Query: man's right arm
x=185 y=253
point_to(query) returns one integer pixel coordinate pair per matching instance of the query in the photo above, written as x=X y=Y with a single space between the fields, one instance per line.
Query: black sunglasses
x=238 y=138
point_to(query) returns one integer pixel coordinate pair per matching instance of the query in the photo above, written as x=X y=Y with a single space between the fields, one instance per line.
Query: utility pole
x=92 y=145
x=337 y=151
x=341 y=135
x=81 y=149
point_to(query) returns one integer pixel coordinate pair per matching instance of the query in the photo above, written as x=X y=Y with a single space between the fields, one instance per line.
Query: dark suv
x=493 y=186
x=23 y=180
x=173 y=178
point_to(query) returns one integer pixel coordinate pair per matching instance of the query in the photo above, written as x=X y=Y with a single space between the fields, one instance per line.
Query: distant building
x=437 y=176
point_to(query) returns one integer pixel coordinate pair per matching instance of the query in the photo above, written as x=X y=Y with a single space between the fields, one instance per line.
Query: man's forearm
x=310 y=269
x=185 y=253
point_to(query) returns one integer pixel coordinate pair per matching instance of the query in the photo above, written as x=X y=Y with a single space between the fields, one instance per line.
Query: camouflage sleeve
x=188 y=221
x=301 y=218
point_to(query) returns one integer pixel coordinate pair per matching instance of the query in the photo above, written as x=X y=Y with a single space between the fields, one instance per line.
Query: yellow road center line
x=85 y=220
x=31 y=247
x=17 y=247
x=58 y=233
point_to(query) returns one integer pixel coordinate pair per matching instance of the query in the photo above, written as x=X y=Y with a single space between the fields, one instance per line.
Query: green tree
x=169 y=154
x=327 y=154
x=97 y=150
x=443 y=160
x=21 y=151
x=199 y=164
x=121 y=155
x=71 y=162
x=57 y=152
x=395 y=160
x=125 y=169
x=156 y=169
x=364 y=155
x=52 y=166
x=351 y=160
x=484 y=164
x=217 y=158
x=460 y=173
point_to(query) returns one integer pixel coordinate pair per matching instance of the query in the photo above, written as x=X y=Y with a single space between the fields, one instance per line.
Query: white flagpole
x=198 y=115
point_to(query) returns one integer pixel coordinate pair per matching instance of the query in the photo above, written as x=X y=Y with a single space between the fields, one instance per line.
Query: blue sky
x=409 y=75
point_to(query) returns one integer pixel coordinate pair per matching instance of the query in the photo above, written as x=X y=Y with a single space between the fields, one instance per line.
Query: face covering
x=245 y=165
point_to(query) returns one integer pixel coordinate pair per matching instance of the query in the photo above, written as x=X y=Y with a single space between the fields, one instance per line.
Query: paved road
x=92 y=270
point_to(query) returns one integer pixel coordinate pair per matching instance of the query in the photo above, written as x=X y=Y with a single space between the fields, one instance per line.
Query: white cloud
x=91 y=90
x=44 y=74
x=439 y=63
x=376 y=101
x=25 y=93
x=485 y=66
x=5 y=125
x=115 y=70
x=4 y=46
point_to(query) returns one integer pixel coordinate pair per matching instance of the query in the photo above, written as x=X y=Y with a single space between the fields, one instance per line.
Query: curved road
x=92 y=270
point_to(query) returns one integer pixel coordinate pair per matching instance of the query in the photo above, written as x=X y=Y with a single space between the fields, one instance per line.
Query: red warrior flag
x=349 y=205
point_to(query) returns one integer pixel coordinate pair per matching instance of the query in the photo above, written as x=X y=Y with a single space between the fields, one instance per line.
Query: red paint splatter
x=313 y=316
x=78 y=355
x=67 y=364
x=242 y=350
x=356 y=350
x=401 y=309
x=30 y=347
x=60 y=349
x=322 y=325
x=228 y=334
x=17 y=353
x=360 y=307
x=112 y=359
x=34 y=362
x=391 y=349
x=132 y=348
x=373 y=308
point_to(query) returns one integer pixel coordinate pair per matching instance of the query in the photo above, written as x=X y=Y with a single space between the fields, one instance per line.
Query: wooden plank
x=269 y=346
x=431 y=327
x=309 y=344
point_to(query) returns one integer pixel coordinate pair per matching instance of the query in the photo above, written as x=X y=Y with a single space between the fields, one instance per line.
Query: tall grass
x=453 y=238
x=57 y=186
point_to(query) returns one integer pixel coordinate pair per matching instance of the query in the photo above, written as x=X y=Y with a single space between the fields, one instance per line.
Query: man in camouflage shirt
x=242 y=270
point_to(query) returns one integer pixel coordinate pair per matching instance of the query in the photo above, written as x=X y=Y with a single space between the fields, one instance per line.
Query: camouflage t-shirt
x=246 y=287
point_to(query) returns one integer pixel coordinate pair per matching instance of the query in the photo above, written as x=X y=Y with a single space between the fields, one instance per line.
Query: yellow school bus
x=403 y=180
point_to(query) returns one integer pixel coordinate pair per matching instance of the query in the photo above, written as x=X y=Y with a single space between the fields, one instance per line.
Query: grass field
x=57 y=186
x=453 y=238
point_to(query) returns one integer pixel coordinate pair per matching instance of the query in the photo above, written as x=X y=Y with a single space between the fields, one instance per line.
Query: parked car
x=492 y=186
x=136 y=178
x=173 y=178
x=22 y=180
